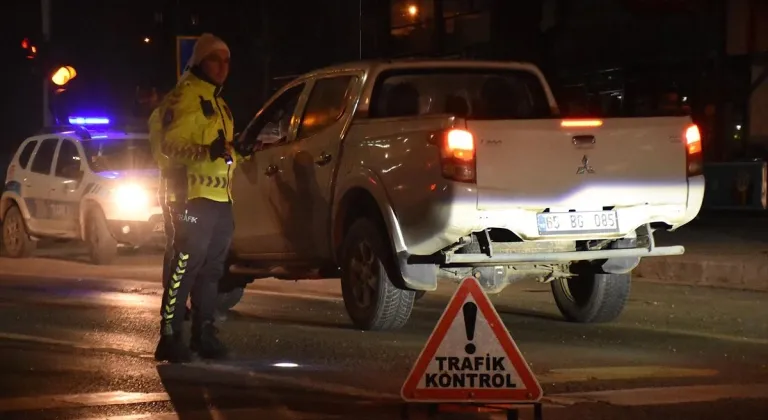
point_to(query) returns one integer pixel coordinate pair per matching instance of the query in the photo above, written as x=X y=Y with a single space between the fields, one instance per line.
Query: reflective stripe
x=208 y=181
x=173 y=290
x=189 y=152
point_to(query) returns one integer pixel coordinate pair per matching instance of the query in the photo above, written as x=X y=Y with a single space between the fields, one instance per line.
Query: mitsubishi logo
x=585 y=167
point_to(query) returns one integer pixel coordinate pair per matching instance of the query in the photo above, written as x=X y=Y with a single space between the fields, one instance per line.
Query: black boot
x=171 y=349
x=205 y=343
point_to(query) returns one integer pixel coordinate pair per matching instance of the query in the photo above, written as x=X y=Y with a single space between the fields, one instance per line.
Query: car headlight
x=131 y=196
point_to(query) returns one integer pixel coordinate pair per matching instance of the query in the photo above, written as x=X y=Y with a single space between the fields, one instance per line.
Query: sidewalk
x=722 y=251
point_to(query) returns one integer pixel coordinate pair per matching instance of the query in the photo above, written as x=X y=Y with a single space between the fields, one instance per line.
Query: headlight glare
x=131 y=196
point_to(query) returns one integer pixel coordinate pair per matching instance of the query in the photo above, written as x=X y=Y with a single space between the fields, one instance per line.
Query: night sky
x=104 y=41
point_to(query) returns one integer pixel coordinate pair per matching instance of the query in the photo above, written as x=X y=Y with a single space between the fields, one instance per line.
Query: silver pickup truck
x=391 y=175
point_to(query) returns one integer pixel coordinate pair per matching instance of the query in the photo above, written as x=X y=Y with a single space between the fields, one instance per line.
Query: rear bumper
x=439 y=223
x=138 y=233
x=554 y=257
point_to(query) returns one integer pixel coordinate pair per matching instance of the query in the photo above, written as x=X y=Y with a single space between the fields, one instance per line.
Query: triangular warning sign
x=470 y=356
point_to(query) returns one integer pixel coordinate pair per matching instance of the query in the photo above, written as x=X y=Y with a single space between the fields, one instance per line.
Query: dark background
x=596 y=53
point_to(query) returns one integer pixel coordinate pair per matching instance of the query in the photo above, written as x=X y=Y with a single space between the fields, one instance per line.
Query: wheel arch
x=364 y=195
x=9 y=200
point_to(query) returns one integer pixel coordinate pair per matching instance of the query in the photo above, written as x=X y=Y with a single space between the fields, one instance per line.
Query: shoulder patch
x=173 y=98
x=167 y=117
x=207 y=107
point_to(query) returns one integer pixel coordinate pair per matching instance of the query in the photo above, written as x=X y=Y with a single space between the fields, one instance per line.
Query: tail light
x=693 y=155
x=581 y=123
x=457 y=154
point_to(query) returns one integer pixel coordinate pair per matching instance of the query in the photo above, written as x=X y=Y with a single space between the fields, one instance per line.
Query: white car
x=84 y=181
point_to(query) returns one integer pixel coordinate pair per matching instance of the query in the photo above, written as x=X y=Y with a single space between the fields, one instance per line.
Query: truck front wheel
x=372 y=301
x=229 y=299
x=591 y=297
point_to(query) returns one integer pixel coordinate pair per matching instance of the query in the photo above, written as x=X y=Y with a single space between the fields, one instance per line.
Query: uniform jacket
x=189 y=119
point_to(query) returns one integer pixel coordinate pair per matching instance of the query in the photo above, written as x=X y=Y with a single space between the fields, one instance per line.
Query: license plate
x=159 y=227
x=577 y=222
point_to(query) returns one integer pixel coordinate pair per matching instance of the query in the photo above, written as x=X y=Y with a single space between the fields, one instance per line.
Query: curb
x=709 y=271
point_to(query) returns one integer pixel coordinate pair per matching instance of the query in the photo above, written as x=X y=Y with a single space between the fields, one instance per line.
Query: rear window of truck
x=473 y=93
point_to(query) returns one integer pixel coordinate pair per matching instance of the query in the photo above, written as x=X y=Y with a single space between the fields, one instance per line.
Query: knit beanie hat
x=206 y=44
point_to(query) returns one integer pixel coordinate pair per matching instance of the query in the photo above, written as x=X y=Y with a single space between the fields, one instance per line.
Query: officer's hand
x=244 y=148
x=218 y=148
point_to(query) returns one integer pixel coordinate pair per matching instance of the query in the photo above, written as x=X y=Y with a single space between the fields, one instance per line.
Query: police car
x=85 y=181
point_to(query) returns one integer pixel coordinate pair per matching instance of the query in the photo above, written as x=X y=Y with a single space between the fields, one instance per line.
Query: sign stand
x=470 y=363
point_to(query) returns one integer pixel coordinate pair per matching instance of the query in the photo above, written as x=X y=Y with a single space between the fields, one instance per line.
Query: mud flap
x=621 y=265
x=417 y=276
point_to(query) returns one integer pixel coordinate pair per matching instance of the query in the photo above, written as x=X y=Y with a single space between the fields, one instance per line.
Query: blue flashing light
x=88 y=121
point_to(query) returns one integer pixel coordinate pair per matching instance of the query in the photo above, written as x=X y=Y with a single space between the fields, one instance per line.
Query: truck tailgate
x=543 y=166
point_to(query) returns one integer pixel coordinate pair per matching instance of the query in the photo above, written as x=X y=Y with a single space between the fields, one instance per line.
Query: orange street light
x=63 y=75
x=413 y=10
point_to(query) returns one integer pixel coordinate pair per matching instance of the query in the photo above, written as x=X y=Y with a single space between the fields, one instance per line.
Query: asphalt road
x=76 y=341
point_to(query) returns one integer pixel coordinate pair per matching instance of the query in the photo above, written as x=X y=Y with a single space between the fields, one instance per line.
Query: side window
x=44 y=157
x=26 y=153
x=68 y=162
x=325 y=105
x=272 y=126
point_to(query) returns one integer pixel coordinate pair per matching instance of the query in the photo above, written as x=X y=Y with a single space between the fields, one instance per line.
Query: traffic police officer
x=197 y=135
x=173 y=186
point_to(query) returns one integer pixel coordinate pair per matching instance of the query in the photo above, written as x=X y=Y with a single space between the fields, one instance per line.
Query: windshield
x=475 y=93
x=119 y=155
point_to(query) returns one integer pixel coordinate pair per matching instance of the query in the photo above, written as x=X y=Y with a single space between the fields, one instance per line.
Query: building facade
x=606 y=57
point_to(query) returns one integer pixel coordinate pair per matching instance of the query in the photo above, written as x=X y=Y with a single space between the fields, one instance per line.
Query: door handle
x=584 y=140
x=324 y=159
x=271 y=170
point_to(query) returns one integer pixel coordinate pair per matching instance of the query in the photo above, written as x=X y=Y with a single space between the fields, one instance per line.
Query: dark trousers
x=169 y=219
x=203 y=231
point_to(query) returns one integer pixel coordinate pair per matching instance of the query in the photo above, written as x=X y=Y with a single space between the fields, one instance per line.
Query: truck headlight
x=131 y=196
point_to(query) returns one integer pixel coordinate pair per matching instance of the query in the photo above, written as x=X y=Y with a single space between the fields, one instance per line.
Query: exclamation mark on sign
x=470 y=315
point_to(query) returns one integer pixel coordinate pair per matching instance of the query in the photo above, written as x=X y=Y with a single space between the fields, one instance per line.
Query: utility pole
x=266 y=48
x=45 y=7
x=360 y=29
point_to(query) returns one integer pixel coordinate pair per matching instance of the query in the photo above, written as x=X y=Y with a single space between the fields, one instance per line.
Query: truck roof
x=381 y=65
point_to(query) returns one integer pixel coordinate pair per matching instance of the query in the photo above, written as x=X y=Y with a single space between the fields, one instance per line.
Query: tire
x=228 y=300
x=592 y=298
x=16 y=242
x=102 y=246
x=377 y=304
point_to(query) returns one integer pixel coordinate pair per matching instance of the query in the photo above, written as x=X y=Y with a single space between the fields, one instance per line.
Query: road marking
x=663 y=396
x=304 y=383
x=247 y=413
x=67 y=343
x=48 y=402
x=621 y=372
x=697 y=334
x=553 y=376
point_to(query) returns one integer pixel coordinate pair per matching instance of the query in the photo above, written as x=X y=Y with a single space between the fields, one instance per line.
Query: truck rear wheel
x=102 y=246
x=372 y=301
x=592 y=297
x=16 y=241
